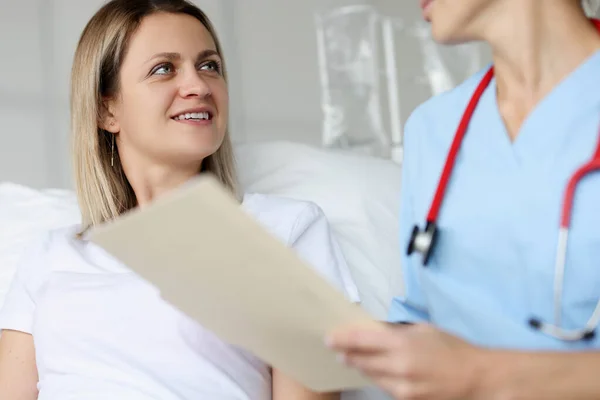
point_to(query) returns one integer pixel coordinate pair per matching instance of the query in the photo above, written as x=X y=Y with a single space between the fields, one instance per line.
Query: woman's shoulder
x=46 y=245
x=41 y=254
x=280 y=214
x=46 y=240
x=303 y=226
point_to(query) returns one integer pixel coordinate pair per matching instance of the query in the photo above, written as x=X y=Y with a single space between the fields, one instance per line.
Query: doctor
x=500 y=217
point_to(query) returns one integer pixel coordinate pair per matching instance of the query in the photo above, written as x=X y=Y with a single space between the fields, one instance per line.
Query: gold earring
x=112 y=151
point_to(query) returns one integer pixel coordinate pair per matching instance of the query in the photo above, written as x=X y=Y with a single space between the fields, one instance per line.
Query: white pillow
x=26 y=213
x=360 y=195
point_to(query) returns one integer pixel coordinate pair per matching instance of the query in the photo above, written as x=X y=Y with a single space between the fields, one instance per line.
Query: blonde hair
x=103 y=190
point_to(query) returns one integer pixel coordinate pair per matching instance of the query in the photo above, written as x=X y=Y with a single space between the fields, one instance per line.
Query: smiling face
x=171 y=107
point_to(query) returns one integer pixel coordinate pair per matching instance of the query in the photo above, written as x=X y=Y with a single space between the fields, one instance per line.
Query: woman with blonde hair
x=149 y=109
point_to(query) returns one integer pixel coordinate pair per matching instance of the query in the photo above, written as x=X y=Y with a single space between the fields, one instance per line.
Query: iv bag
x=350 y=79
x=375 y=70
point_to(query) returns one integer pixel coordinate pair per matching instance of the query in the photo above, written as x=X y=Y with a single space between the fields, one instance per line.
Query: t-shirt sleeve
x=311 y=237
x=16 y=313
x=410 y=306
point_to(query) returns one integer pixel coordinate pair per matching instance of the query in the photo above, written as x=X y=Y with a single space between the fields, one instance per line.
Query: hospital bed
x=359 y=195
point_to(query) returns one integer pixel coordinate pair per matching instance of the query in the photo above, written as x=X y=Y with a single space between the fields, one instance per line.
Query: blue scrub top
x=493 y=266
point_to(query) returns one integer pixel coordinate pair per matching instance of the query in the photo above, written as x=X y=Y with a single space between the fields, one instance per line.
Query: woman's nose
x=194 y=85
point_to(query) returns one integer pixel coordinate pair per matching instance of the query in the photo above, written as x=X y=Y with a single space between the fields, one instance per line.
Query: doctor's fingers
x=398 y=365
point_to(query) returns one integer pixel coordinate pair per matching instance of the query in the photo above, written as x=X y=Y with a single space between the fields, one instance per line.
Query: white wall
x=271 y=50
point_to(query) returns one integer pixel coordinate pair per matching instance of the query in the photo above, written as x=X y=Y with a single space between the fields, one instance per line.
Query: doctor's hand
x=414 y=361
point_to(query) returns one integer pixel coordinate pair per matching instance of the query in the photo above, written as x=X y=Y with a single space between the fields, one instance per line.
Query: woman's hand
x=413 y=361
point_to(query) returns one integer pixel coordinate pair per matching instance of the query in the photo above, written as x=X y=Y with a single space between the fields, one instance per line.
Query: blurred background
x=330 y=73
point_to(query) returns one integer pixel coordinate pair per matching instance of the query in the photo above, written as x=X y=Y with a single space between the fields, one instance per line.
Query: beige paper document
x=211 y=260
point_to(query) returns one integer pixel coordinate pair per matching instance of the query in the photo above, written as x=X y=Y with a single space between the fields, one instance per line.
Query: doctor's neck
x=535 y=45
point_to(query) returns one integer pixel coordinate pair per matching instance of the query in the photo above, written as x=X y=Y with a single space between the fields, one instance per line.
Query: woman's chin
x=195 y=153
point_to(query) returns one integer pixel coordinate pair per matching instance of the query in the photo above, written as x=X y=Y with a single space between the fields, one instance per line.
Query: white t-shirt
x=101 y=332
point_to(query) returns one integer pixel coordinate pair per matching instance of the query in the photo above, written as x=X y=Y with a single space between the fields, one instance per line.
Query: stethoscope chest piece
x=423 y=241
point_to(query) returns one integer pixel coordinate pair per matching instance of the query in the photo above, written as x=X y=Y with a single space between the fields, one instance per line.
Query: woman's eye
x=212 y=66
x=163 y=69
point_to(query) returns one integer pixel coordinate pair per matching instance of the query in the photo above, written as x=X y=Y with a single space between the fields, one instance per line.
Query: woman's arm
x=285 y=388
x=18 y=372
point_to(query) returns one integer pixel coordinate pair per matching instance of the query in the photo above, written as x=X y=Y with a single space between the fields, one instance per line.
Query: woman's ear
x=108 y=120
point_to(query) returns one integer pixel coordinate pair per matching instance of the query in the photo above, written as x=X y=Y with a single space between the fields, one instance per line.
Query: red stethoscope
x=424 y=240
